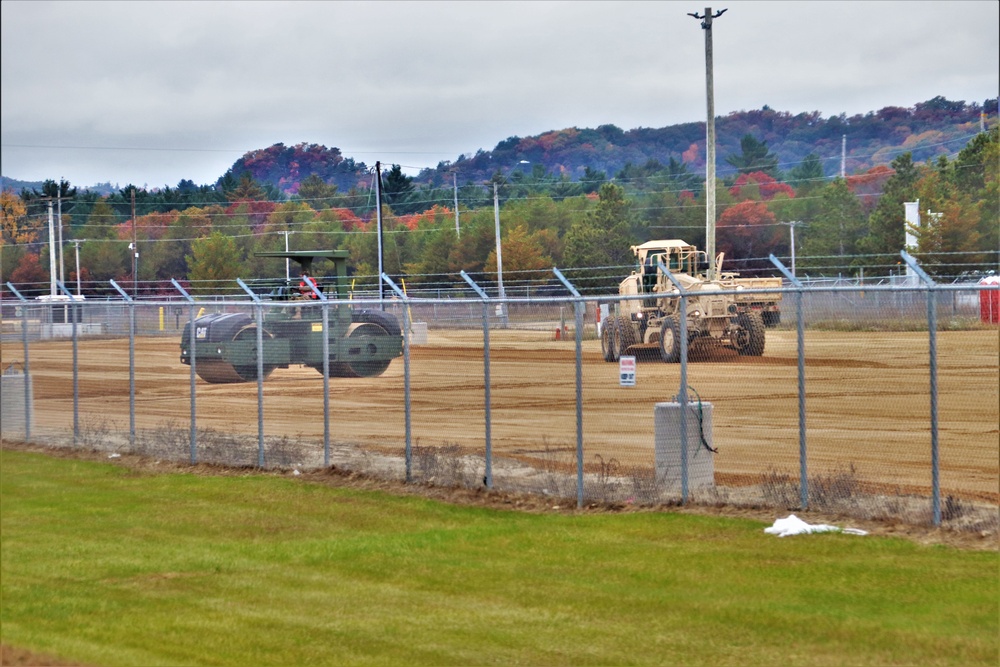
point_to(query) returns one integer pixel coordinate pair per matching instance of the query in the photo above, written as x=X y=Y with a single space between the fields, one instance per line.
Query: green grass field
x=106 y=566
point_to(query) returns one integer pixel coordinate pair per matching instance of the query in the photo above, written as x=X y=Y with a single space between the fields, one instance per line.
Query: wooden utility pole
x=706 y=25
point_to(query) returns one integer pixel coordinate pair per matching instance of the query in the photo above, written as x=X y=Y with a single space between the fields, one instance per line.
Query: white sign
x=626 y=371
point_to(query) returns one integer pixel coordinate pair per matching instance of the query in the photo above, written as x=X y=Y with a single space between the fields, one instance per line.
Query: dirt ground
x=867 y=403
x=867 y=406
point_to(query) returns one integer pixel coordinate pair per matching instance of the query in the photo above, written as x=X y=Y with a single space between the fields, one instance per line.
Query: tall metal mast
x=706 y=25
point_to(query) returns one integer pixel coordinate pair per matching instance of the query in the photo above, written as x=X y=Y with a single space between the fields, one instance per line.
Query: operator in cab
x=306 y=283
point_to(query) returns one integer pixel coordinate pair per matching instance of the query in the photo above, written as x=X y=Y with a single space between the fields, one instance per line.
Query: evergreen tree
x=434 y=260
x=831 y=239
x=680 y=179
x=317 y=193
x=808 y=175
x=592 y=180
x=397 y=190
x=977 y=176
x=601 y=240
x=755 y=157
x=175 y=246
x=886 y=225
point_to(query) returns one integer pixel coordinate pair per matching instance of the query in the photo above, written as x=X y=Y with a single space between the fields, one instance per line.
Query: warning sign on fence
x=626 y=371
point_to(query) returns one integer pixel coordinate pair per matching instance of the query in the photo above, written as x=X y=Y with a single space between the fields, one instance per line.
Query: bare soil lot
x=867 y=403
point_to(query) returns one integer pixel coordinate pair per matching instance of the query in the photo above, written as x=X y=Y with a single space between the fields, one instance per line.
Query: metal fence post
x=578 y=313
x=486 y=375
x=193 y=356
x=326 y=370
x=131 y=362
x=259 y=316
x=326 y=380
x=932 y=341
x=800 y=344
x=260 y=384
x=406 y=373
x=682 y=398
x=76 y=368
x=27 y=376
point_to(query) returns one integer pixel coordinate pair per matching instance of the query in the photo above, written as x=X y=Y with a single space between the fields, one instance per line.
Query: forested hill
x=935 y=127
x=585 y=198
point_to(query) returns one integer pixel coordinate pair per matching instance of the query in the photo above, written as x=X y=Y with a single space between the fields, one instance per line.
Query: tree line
x=209 y=235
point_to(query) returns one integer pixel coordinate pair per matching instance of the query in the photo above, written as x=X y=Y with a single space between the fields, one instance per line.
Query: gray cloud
x=414 y=83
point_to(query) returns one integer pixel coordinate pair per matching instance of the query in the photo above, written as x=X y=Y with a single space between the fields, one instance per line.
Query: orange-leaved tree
x=524 y=256
x=748 y=231
x=15 y=227
x=766 y=188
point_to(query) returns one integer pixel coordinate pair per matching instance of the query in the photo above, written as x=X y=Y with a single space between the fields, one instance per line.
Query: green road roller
x=362 y=342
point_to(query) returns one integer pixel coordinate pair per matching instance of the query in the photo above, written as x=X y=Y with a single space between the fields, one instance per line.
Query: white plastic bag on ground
x=793 y=525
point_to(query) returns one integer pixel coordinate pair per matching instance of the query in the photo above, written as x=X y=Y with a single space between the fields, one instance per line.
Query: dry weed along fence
x=878 y=404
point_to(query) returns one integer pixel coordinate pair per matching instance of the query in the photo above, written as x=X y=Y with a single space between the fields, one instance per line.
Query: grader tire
x=609 y=347
x=625 y=337
x=670 y=340
x=749 y=336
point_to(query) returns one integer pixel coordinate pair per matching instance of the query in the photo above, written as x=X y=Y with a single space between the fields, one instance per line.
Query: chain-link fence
x=876 y=401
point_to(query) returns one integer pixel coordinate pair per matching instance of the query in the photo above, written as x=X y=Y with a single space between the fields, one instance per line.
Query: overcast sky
x=151 y=93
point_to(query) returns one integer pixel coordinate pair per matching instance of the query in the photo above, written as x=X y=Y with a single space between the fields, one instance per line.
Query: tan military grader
x=717 y=312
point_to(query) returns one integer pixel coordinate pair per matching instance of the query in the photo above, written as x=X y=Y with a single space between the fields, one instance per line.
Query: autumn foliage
x=584 y=198
x=767 y=187
x=748 y=230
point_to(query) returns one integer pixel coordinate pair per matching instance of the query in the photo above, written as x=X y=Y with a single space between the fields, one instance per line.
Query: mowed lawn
x=102 y=565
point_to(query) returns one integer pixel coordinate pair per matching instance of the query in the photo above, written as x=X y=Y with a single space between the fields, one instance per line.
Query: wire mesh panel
x=532 y=397
x=448 y=396
x=968 y=396
x=52 y=369
x=489 y=396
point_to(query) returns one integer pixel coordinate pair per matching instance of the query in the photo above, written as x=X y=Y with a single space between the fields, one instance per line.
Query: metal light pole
x=496 y=218
x=52 y=254
x=62 y=264
x=706 y=25
x=135 y=253
x=502 y=308
x=378 y=218
x=76 y=244
x=791 y=229
x=287 y=268
x=454 y=182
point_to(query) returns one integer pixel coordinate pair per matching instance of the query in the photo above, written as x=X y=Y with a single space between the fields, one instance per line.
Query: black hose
x=700 y=414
